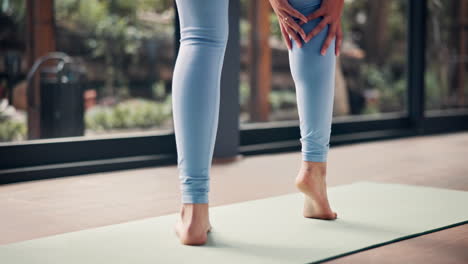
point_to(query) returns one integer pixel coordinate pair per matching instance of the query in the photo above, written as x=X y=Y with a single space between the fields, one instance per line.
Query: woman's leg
x=196 y=90
x=314 y=78
x=196 y=98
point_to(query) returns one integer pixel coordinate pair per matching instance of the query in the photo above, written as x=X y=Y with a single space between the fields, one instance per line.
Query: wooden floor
x=37 y=209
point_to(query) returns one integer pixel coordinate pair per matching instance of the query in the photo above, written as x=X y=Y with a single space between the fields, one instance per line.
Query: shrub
x=133 y=113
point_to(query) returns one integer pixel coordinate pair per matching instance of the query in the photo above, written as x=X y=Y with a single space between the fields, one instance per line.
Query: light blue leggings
x=196 y=90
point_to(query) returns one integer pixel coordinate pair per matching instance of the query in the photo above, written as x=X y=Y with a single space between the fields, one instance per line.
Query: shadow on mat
x=281 y=251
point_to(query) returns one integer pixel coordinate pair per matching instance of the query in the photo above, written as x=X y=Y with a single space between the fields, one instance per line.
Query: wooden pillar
x=40 y=40
x=259 y=60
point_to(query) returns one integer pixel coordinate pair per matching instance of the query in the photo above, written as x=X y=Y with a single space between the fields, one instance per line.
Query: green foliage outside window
x=133 y=113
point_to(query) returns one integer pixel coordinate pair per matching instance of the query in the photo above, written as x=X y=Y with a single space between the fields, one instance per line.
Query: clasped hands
x=330 y=10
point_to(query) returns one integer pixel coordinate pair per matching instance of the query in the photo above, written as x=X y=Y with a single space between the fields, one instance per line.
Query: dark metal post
x=176 y=33
x=228 y=136
x=417 y=13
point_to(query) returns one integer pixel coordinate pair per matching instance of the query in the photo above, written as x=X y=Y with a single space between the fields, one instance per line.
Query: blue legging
x=196 y=90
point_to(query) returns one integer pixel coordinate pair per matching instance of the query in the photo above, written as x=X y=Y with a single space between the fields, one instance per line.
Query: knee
x=210 y=37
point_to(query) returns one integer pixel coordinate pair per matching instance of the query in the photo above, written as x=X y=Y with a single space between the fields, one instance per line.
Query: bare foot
x=311 y=181
x=193 y=224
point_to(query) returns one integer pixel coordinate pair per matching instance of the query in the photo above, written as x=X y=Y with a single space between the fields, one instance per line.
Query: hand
x=288 y=26
x=331 y=11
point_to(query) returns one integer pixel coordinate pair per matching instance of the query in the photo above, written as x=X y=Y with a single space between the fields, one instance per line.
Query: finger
x=331 y=34
x=317 y=29
x=294 y=35
x=317 y=13
x=339 y=39
x=293 y=12
x=285 y=36
x=291 y=23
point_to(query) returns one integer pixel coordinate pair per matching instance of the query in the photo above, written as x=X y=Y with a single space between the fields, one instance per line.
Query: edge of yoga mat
x=403 y=237
x=396 y=239
x=378 y=244
x=389 y=242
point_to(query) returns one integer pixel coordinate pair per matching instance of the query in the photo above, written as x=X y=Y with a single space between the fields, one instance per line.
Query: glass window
x=446 y=55
x=13 y=118
x=126 y=48
x=371 y=74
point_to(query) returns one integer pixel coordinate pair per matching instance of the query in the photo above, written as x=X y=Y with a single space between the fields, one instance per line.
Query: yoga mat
x=270 y=230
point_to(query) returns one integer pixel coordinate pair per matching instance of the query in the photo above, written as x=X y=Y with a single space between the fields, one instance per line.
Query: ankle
x=314 y=168
x=195 y=206
x=194 y=210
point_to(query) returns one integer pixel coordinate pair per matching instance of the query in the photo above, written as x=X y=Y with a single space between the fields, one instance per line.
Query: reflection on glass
x=446 y=55
x=371 y=70
x=127 y=50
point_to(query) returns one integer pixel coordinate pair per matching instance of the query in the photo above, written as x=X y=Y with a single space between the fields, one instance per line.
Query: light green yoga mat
x=270 y=230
